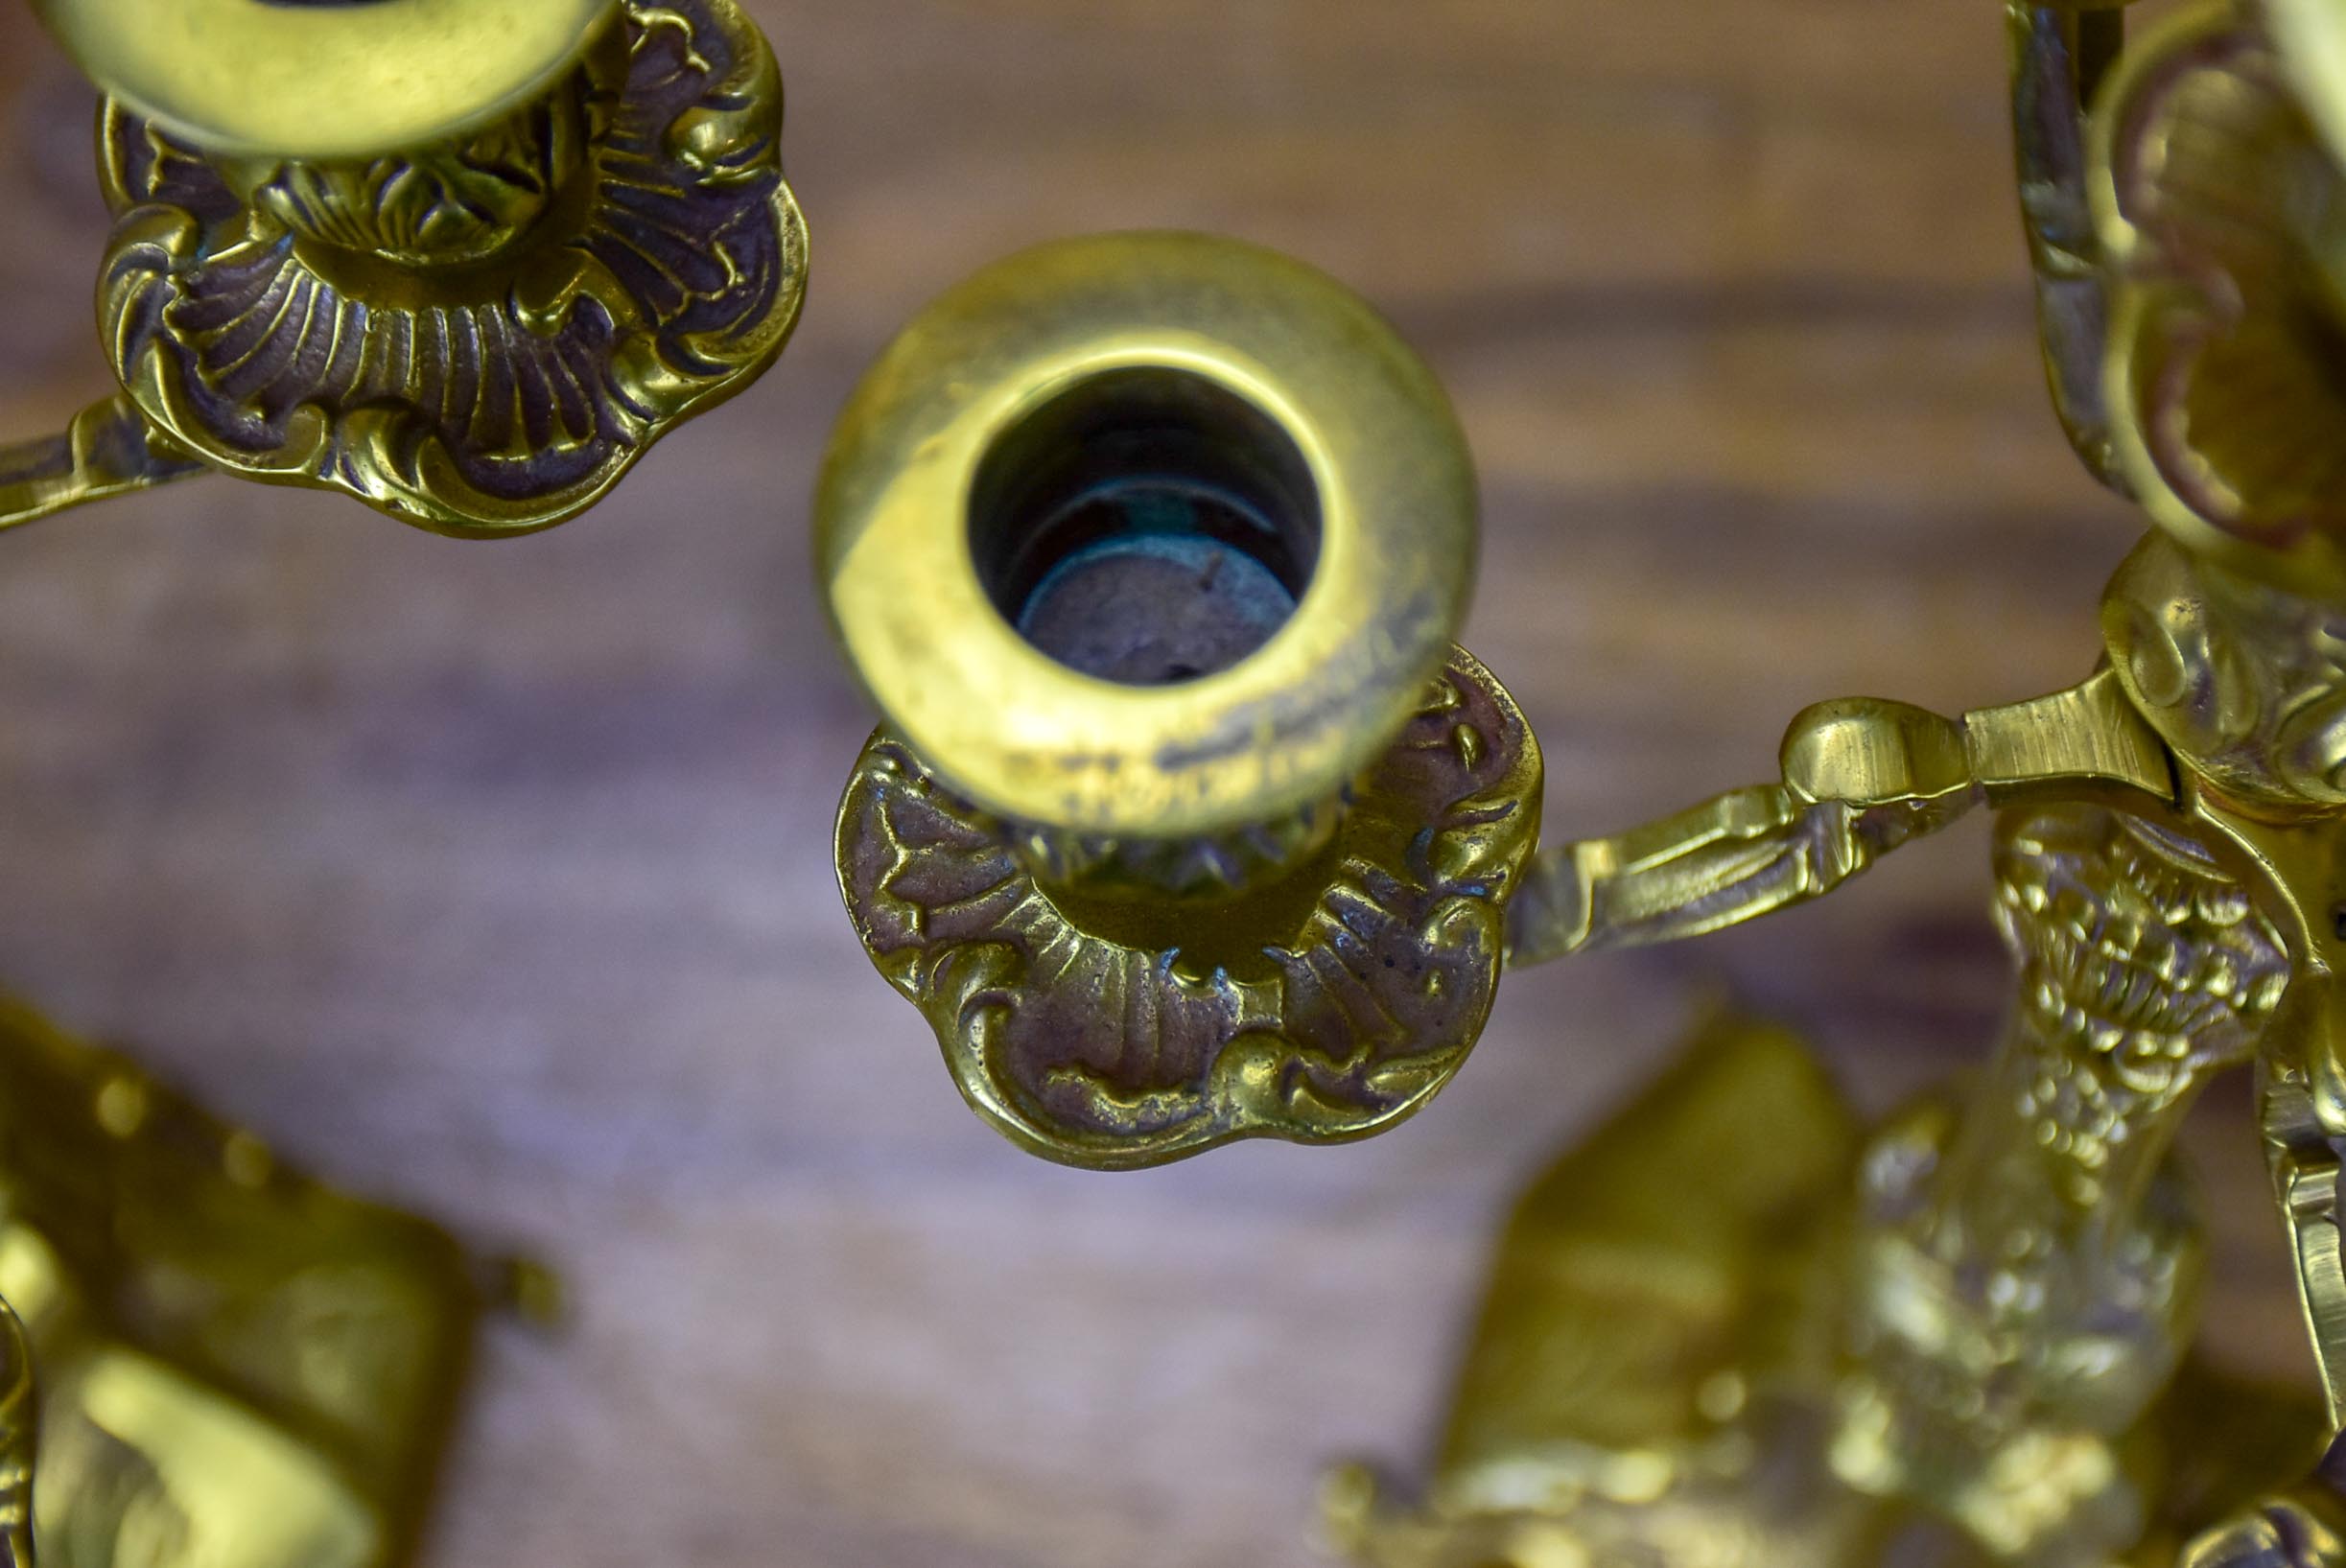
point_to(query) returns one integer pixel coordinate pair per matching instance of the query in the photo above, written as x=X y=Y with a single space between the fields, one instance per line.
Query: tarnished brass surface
x=1324 y=1004
x=470 y=299
x=1188 y=821
x=229 y=1363
x=1173 y=367
x=108 y=450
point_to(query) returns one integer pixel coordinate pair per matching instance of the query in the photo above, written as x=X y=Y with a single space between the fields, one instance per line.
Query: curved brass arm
x=1861 y=776
x=2059 y=55
x=108 y=450
x=1735 y=857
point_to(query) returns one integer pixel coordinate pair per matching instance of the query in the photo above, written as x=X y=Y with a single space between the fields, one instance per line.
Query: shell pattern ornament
x=2246 y=683
x=2223 y=214
x=1324 y=1006
x=478 y=339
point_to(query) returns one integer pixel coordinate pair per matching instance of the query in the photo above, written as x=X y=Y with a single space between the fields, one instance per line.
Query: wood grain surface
x=493 y=877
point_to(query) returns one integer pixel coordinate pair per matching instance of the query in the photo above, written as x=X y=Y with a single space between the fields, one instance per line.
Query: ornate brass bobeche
x=463 y=260
x=1186 y=821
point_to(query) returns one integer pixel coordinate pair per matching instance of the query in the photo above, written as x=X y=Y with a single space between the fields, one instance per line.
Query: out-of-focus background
x=494 y=878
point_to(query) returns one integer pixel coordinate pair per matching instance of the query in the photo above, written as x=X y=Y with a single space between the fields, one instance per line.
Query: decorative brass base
x=1664 y=1375
x=229 y=1363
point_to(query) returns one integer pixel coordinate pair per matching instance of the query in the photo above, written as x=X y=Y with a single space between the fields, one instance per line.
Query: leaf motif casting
x=1093 y=1045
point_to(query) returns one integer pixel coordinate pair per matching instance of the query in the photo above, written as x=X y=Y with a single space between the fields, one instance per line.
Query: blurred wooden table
x=493 y=877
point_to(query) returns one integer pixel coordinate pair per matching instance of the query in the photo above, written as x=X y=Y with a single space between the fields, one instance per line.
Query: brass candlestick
x=1737 y=1329
x=463 y=260
x=1189 y=822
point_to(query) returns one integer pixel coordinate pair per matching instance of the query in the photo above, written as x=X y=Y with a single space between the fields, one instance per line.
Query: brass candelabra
x=1186 y=821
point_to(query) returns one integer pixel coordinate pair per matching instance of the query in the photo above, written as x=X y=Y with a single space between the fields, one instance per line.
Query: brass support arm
x=108 y=450
x=1861 y=776
x=2059 y=56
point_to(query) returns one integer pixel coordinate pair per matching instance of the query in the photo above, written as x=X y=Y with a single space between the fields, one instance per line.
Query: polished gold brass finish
x=1659 y=1373
x=2311 y=39
x=470 y=298
x=1738 y=1329
x=2059 y=57
x=1980 y=1332
x=1612 y=1376
x=320 y=80
x=229 y=1363
x=1861 y=777
x=108 y=450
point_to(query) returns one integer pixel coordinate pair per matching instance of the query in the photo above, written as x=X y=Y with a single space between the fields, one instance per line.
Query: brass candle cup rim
x=319 y=80
x=1019 y=733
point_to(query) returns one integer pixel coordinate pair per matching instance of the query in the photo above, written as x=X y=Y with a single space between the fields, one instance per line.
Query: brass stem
x=108 y=450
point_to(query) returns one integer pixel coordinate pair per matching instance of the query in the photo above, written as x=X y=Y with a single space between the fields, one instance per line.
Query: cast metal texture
x=1326 y=1006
